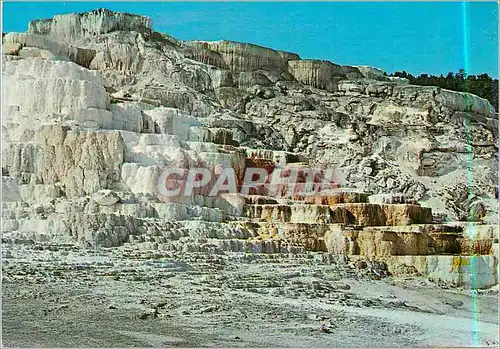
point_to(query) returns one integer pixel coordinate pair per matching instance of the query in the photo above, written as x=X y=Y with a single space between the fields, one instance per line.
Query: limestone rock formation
x=71 y=27
x=240 y=57
x=96 y=104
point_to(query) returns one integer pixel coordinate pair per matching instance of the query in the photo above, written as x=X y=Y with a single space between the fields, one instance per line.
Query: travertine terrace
x=94 y=105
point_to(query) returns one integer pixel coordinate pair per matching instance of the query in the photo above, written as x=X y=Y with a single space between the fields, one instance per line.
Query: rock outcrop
x=71 y=27
x=96 y=105
x=240 y=57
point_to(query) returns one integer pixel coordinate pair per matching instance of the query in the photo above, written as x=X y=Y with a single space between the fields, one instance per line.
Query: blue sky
x=429 y=38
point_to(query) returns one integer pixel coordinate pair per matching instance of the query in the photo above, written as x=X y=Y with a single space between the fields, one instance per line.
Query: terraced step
x=366 y=214
x=362 y=214
x=298 y=213
x=334 y=198
x=276 y=156
x=463 y=271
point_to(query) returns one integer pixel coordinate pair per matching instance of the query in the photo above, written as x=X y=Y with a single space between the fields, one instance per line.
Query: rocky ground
x=97 y=105
x=66 y=296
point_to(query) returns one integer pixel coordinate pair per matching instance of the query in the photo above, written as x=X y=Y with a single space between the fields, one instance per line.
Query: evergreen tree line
x=481 y=85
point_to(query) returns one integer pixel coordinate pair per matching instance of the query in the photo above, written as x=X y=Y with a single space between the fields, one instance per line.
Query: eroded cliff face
x=94 y=105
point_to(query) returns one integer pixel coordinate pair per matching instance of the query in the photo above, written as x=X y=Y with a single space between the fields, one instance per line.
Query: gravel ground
x=63 y=296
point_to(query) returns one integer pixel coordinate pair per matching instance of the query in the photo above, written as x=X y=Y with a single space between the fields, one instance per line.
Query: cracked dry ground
x=64 y=296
